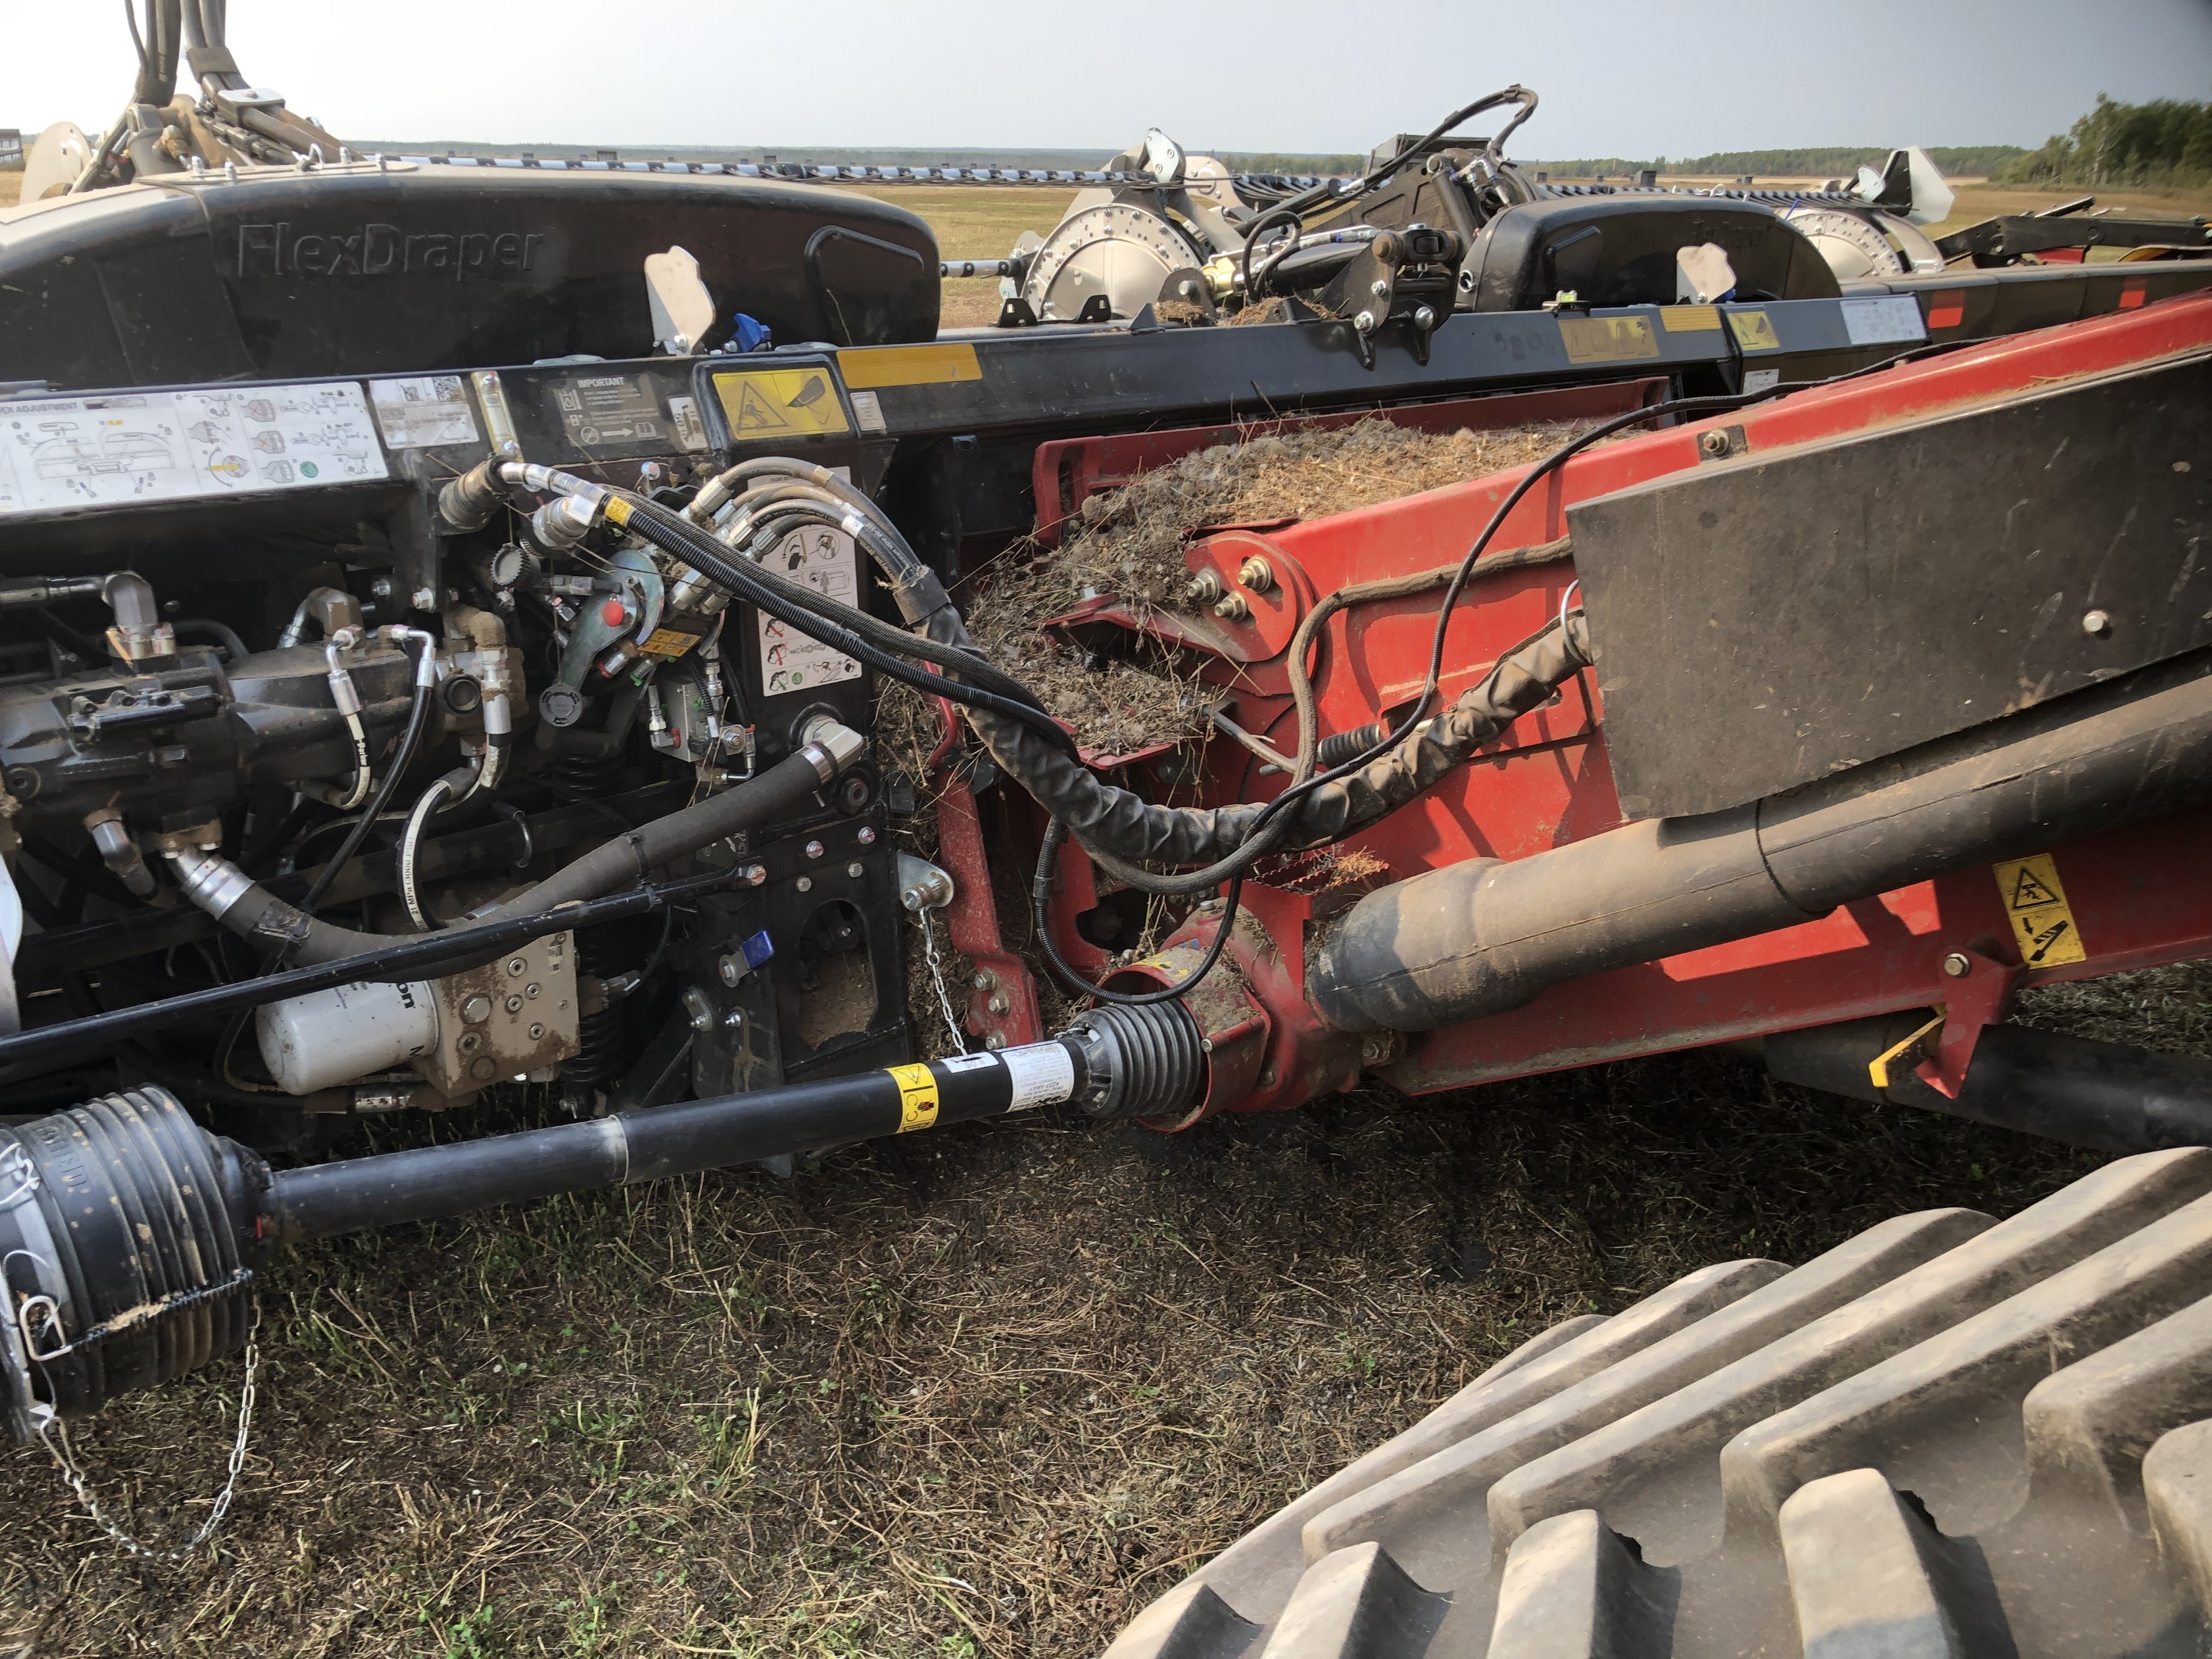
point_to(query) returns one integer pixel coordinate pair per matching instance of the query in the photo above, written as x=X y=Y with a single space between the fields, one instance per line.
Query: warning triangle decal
x=757 y=413
x=2027 y=893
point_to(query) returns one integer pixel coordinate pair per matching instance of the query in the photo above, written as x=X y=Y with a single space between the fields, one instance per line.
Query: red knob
x=614 y=613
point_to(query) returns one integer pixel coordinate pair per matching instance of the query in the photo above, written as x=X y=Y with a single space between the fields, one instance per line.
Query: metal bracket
x=1978 y=1002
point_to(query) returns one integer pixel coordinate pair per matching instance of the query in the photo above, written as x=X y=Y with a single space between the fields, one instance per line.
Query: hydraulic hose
x=419 y=717
x=256 y=915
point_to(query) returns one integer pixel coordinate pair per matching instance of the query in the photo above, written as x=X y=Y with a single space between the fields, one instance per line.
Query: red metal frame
x=2141 y=895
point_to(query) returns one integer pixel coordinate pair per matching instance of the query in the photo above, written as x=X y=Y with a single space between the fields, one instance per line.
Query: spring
x=588 y=775
x=599 y=1056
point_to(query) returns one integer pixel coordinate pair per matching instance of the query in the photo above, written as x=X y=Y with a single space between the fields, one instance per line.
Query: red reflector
x=1947 y=310
x=2131 y=296
x=612 y=613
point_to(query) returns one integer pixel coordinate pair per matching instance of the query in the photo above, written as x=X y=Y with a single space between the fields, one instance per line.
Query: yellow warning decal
x=2035 y=903
x=920 y=365
x=1754 y=331
x=1607 y=339
x=1690 y=319
x=668 y=642
x=768 y=403
x=917 y=1087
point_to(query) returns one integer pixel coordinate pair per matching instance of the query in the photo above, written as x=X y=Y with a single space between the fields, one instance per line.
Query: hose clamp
x=830 y=745
x=210 y=881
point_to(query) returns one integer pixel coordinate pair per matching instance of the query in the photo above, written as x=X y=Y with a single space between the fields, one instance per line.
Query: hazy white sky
x=1616 y=78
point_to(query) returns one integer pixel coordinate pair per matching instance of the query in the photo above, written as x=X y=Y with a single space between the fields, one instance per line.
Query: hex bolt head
x=985 y=979
x=476 y=1009
x=1714 y=443
x=2097 y=624
x=754 y=875
x=995 y=1041
x=380 y=588
x=999 y=1003
x=425 y=599
x=866 y=836
x=1256 y=574
x=730 y=969
x=856 y=869
x=1956 y=964
x=815 y=849
x=1232 y=607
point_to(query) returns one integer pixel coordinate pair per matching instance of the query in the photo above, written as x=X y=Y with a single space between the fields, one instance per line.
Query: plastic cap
x=614 y=612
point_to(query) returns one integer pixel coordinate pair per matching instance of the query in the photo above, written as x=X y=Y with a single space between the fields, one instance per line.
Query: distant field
x=11 y=185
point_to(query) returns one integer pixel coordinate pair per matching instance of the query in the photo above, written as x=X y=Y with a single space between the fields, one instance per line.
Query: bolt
x=731 y=969
x=734 y=1020
x=1232 y=607
x=425 y=599
x=537 y=1032
x=985 y=980
x=1255 y=574
x=995 y=1041
x=1365 y=322
x=380 y=588
x=483 y=1068
x=856 y=869
x=514 y=1005
x=999 y=1003
x=531 y=991
x=804 y=884
x=1956 y=964
x=1424 y=318
x=1204 y=587
x=477 y=1009
x=866 y=836
x=814 y=850
x=2096 y=624
x=754 y=875
x=1378 y=288
x=1714 y=443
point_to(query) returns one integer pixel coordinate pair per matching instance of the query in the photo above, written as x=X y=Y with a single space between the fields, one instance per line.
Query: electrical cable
x=1055 y=832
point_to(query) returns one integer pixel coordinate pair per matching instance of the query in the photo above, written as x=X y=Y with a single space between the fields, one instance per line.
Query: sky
x=1615 y=78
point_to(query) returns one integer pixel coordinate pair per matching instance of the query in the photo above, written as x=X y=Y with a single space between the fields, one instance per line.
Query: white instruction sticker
x=684 y=414
x=1883 y=320
x=1040 y=1073
x=124 y=448
x=825 y=561
x=423 y=411
x=967 y=1062
x=1761 y=380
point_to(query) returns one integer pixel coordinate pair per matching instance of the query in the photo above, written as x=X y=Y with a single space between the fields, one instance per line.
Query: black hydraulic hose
x=801 y=609
x=1269 y=220
x=419 y=717
x=1055 y=832
x=417 y=956
x=247 y=908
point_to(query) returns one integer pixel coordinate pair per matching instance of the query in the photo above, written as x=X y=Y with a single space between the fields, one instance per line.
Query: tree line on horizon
x=2167 y=140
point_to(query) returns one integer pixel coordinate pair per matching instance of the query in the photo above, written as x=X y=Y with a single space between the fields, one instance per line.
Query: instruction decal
x=1607 y=339
x=123 y=447
x=917 y=1087
x=826 y=560
x=774 y=404
x=423 y=411
x=2035 y=903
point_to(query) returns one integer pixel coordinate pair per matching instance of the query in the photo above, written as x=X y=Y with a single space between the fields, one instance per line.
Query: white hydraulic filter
x=334 y=1037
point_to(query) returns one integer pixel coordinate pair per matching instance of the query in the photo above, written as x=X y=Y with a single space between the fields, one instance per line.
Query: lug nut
x=1255 y=574
x=1232 y=607
x=1204 y=588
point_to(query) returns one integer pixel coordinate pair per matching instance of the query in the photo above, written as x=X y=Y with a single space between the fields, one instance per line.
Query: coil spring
x=588 y=775
x=599 y=1056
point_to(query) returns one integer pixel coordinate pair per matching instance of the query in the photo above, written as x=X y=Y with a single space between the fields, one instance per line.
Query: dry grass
x=986 y=1391
x=11 y=187
x=981 y=221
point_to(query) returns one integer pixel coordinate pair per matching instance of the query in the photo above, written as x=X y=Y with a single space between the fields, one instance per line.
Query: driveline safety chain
x=55 y=1433
x=936 y=978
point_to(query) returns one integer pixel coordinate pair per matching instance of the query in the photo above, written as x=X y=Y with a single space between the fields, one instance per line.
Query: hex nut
x=1232 y=607
x=1714 y=443
x=856 y=869
x=1957 y=965
x=1257 y=574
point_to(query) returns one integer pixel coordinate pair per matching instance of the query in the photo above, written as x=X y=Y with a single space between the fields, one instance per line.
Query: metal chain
x=936 y=978
x=55 y=1433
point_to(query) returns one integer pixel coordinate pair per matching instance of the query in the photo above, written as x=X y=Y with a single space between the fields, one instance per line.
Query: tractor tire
x=1950 y=1435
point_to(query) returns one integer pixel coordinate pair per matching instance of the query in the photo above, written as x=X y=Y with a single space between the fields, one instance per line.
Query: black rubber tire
x=1948 y=1437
